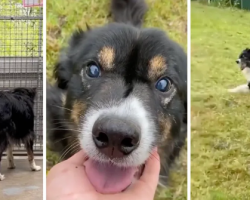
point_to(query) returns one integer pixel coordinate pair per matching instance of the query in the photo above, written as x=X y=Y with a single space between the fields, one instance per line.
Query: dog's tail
x=129 y=11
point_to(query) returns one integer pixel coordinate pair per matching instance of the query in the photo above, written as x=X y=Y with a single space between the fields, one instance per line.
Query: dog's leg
x=1 y=175
x=10 y=157
x=29 y=148
x=240 y=89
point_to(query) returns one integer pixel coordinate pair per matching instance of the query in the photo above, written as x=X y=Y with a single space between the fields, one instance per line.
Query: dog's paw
x=2 y=177
x=35 y=168
x=11 y=167
x=240 y=89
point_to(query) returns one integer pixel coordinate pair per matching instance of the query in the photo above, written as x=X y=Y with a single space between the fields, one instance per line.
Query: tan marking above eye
x=106 y=58
x=157 y=66
x=78 y=109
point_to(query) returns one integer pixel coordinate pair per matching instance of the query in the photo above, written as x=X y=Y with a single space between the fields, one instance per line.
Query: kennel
x=21 y=56
x=242 y=4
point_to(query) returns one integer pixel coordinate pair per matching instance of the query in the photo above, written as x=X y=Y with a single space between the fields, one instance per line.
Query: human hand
x=68 y=181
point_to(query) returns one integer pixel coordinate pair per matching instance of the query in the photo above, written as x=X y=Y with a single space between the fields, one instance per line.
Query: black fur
x=55 y=119
x=133 y=48
x=130 y=12
x=245 y=58
x=244 y=62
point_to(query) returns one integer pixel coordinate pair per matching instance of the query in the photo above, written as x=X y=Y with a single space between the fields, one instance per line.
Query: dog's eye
x=163 y=85
x=93 y=70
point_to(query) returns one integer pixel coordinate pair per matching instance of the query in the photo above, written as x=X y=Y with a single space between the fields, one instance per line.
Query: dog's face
x=30 y=92
x=244 y=59
x=126 y=94
x=244 y=63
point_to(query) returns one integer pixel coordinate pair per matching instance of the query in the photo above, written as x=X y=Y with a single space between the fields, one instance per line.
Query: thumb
x=150 y=177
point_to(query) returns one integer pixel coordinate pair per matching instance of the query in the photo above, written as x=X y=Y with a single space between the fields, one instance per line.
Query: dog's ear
x=62 y=71
x=76 y=37
x=64 y=67
x=34 y=90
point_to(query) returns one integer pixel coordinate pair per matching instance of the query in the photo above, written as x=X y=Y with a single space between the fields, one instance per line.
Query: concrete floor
x=21 y=183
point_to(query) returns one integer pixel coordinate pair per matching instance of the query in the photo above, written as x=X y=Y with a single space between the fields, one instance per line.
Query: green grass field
x=65 y=16
x=220 y=135
x=19 y=37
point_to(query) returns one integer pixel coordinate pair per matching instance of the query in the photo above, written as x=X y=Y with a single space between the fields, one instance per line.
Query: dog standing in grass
x=17 y=124
x=121 y=91
x=244 y=65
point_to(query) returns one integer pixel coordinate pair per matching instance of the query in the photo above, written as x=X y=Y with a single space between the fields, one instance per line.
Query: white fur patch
x=131 y=108
x=246 y=73
x=33 y=166
x=2 y=177
x=167 y=100
x=240 y=89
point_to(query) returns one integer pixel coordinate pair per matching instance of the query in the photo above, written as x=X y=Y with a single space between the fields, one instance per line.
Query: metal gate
x=21 y=56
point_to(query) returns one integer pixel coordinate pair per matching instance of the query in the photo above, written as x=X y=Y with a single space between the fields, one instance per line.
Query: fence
x=242 y=4
x=21 y=56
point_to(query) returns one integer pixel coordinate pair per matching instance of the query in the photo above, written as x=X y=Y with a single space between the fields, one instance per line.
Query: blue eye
x=93 y=71
x=163 y=85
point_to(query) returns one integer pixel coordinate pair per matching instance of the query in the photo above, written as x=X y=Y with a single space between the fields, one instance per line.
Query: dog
x=244 y=65
x=121 y=91
x=17 y=124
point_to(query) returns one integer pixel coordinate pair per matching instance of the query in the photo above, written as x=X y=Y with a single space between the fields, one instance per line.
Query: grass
x=19 y=37
x=64 y=16
x=220 y=140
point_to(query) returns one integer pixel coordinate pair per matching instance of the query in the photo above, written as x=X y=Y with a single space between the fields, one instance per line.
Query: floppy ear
x=64 y=67
x=62 y=71
x=34 y=90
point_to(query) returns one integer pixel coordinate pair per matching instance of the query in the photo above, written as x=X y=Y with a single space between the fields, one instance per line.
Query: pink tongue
x=108 y=178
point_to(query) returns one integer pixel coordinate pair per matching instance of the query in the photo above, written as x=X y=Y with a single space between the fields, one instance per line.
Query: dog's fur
x=244 y=65
x=132 y=60
x=17 y=123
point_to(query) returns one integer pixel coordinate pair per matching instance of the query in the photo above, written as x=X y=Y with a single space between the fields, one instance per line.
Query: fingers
x=78 y=158
x=72 y=173
x=150 y=177
x=152 y=169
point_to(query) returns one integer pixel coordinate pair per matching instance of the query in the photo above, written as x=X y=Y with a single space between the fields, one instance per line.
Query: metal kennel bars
x=21 y=56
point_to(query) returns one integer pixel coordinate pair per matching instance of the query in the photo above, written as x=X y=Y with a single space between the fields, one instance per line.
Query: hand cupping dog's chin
x=108 y=178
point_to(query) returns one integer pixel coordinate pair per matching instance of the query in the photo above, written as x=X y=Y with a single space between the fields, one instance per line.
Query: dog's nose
x=238 y=61
x=115 y=137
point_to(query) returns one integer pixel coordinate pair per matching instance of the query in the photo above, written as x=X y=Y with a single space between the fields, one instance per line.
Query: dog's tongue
x=108 y=178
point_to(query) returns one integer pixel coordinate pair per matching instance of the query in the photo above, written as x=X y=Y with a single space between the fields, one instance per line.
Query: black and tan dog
x=17 y=123
x=244 y=64
x=122 y=90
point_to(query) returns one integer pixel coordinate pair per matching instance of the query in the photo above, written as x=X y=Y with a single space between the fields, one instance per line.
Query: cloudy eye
x=93 y=70
x=163 y=85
